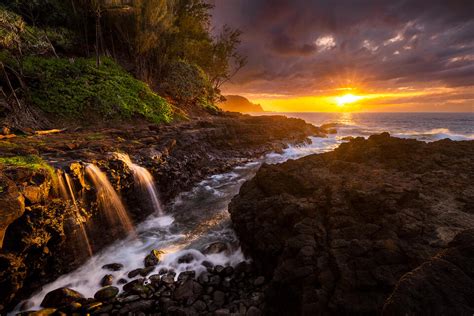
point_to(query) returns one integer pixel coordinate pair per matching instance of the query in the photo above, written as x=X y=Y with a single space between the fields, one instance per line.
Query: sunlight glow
x=347 y=98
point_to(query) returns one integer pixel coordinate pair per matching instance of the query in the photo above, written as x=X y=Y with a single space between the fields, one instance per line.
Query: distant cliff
x=237 y=103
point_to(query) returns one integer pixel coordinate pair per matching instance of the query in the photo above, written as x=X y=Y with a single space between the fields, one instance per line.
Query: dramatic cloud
x=299 y=47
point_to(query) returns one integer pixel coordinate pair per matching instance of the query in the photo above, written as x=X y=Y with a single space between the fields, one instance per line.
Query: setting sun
x=347 y=98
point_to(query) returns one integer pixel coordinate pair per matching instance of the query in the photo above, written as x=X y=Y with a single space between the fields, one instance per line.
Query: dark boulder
x=113 y=266
x=61 y=297
x=153 y=258
x=106 y=293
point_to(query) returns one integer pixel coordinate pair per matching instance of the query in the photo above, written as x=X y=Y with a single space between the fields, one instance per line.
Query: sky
x=354 y=55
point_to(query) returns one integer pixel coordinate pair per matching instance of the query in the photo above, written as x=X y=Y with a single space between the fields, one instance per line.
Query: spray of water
x=109 y=201
x=145 y=182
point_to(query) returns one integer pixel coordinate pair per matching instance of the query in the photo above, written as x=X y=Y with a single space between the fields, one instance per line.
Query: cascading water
x=195 y=220
x=145 y=181
x=108 y=199
x=67 y=193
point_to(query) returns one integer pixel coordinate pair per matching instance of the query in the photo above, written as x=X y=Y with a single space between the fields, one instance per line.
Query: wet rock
x=106 y=293
x=108 y=279
x=219 y=298
x=259 y=281
x=214 y=280
x=187 y=258
x=188 y=291
x=128 y=298
x=228 y=271
x=203 y=278
x=122 y=281
x=200 y=306
x=61 y=297
x=215 y=247
x=253 y=311
x=167 y=279
x=207 y=264
x=163 y=271
x=92 y=307
x=113 y=266
x=134 y=273
x=222 y=312
x=146 y=271
x=138 y=306
x=153 y=258
x=136 y=287
x=186 y=275
x=42 y=312
x=155 y=278
x=219 y=269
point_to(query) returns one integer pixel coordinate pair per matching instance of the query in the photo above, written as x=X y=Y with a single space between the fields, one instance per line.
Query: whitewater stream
x=195 y=220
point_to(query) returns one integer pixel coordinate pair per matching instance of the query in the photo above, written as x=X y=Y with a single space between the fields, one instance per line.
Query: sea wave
x=434 y=135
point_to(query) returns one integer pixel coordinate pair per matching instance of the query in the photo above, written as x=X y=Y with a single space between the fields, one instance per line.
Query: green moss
x=32 y=162
x=78 y=89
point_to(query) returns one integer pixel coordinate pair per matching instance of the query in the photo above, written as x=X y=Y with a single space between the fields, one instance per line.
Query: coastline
x=178 y=156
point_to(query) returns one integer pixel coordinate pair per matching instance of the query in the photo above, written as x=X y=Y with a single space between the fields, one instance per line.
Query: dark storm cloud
x=299 y=47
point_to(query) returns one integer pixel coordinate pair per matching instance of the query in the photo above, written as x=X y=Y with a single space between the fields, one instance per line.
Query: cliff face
x=336 y=231
x=237 y=103
x=41 y=230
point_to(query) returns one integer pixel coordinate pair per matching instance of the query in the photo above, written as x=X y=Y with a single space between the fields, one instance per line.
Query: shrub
x=77 y=89
x=186 y=82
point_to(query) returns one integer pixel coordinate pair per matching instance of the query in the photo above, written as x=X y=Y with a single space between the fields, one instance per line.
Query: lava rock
x=216 y=247
x=334 y=233
x=113 y=266
x=106 y=293
x=134 y=273
x=108 y=279
x=61 y=297
x=187 y=258
x=188 y=291
x=153 y=258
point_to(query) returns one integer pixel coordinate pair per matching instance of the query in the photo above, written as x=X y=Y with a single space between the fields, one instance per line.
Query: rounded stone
x=106 y=293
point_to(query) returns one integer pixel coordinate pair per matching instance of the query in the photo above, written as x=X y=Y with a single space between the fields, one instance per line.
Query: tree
x=226 y=60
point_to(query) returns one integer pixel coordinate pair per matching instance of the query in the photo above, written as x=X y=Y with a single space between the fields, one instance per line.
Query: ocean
x=422 y=126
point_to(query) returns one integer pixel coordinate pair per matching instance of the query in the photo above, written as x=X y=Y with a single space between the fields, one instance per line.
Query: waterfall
x=108 y=199
x=144 y=180
x=67 y=193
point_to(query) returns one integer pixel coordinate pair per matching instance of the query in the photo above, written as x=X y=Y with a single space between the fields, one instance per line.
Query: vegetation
x=74 y=88
x=62 y=57
x=32 y=162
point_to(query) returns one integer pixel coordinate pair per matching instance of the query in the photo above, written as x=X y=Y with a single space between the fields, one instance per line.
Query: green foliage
x=19 y=38
x=185 y=82
x=77 y=89
x=32 y=162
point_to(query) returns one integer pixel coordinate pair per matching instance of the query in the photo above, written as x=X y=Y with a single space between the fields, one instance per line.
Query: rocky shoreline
x=377 y=226
x=220 y=290
x=36 y=223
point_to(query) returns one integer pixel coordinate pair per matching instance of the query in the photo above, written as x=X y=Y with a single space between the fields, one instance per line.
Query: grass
x=77 y=89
